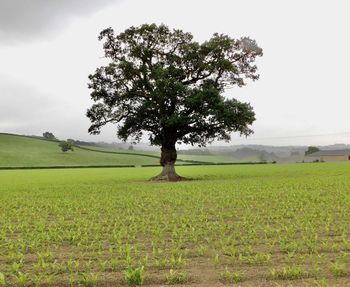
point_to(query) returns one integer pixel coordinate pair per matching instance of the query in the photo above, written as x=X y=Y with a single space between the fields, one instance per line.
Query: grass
x=22 y=151
x=262 y=225
x=26 y=151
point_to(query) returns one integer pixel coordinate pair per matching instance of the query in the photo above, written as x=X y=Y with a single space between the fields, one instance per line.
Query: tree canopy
x=163 y=82
x=311 y=149
x=49 y=136
x=65 y=146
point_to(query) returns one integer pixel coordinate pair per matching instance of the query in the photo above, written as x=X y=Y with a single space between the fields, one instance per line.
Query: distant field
x=200 y=158
x=262 y=225
x=208 y=158
x=26 y=151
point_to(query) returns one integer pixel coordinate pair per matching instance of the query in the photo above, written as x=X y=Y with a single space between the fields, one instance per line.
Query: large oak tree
x=163 y=83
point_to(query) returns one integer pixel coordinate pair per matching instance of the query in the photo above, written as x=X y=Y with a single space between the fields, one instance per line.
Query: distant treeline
x=78 y=142
x=238 y=154
x=196 y=151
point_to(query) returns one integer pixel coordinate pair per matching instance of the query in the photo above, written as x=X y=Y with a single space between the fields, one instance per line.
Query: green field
x=181 y=157
x=21 y=151
x=26 y=151
x=254 y=225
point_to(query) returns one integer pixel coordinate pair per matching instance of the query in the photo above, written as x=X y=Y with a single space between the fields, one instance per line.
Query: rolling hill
x=25 y=151
x=182 y=158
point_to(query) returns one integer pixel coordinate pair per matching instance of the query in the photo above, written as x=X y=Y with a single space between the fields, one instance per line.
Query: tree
x=130 y=147
x=49 y=136
x=162 y=82
x=65 y=146
x=311 y=149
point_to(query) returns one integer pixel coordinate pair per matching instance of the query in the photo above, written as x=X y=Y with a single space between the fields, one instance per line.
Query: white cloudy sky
x=48 y=48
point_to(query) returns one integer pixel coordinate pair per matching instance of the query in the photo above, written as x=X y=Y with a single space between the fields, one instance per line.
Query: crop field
x=253 y=225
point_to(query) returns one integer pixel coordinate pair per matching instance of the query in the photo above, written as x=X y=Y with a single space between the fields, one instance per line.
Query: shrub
x=65 y=146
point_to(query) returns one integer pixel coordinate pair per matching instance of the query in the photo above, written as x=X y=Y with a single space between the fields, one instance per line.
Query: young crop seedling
x=232 y=277
x=216 y=259
x=135 y=276
x=288 y=273
x=22 y=279
x=2 y=279
x=38 y=280
x=176 y=277
x=113 y=263
x=88 y=279
x=338 y=269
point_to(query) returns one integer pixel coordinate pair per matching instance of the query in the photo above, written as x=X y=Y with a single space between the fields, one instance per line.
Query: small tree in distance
x=311 y=149
x=49 y=136
x=65 y=146
x=162 y=82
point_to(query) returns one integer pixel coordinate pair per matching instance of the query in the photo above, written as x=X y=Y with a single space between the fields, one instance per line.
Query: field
x=256 y=225
x=26 y=151
x=187 y=157
x=21 y=151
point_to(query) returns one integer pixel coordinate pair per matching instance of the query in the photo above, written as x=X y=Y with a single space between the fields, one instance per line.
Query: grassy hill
x=27 y=151
x=180 y=157
x=23 y=151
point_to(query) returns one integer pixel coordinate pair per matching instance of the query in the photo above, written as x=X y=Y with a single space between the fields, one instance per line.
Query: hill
x=27 y=151
x=182 y=158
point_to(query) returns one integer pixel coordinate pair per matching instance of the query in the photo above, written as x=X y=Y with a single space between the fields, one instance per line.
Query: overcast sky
x=48 y=48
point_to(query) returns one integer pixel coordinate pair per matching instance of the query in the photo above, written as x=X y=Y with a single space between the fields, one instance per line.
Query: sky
x=48 y=49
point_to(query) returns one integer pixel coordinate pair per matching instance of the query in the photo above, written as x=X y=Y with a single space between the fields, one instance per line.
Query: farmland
x=23 y=151
x=27 y=151
x=266 y=225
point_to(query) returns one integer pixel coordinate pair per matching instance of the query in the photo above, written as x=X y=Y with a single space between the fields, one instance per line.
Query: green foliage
x=163 y=82
x=135 y=276
x=176 y=277
x=49 y=136
x=289 y=273
x=338 y=269
x=311 y=149
x=65 y=146
x=88 y=279
x=232 y=277
x=22 y=279
x=321 y=283
x=2 y=279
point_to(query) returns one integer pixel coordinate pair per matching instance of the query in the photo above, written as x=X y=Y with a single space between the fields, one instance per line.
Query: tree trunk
x=167 y=160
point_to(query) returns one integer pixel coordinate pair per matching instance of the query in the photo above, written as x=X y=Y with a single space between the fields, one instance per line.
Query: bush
x=65 y=146
x=49 y=136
